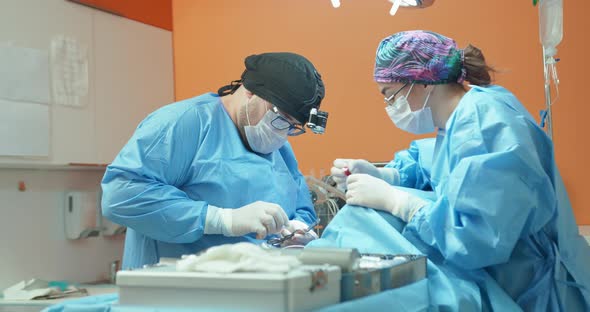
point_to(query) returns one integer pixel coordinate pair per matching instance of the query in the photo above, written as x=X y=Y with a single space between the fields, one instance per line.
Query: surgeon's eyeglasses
x=391 y=97
x=282 y=123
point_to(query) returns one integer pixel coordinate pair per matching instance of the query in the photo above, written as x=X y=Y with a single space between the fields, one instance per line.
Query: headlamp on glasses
x=317 y=121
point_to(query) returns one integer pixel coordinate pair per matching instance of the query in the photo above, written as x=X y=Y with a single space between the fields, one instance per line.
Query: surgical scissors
x=279 y=240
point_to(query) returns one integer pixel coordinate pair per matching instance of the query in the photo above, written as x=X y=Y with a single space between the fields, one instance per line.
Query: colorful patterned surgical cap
x=419 y=56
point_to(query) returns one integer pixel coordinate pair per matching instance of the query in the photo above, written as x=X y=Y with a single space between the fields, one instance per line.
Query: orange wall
x=153 y=12
x=212 y=37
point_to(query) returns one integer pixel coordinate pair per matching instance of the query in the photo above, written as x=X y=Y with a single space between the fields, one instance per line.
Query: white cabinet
x=130 y=75
x=33 y=24
x=134 y=76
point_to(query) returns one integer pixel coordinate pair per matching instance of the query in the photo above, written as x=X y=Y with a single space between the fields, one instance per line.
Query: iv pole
x=550 y=34
x=548 y=116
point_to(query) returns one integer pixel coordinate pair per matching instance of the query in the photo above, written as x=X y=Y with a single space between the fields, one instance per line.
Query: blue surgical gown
x=181 y=158
x=499 y=232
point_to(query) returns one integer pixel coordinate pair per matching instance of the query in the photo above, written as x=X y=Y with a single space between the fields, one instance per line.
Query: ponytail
x=477 y=71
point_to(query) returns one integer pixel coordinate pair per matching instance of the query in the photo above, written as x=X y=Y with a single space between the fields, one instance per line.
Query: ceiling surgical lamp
x=409 y=4
x=397 y=4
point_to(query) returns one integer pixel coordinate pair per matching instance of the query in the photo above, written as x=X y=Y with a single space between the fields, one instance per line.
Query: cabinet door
x=33 y=24
x=133 y=77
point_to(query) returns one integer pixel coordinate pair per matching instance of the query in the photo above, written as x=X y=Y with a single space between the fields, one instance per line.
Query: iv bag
x=550 y=25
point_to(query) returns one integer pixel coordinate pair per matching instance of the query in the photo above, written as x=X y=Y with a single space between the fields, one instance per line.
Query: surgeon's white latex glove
x=260 y=217
x=300 y=238
x=368 y=191
x=339 y=171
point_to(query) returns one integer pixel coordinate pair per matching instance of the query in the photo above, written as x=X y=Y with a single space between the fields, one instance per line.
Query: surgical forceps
x=279 y=240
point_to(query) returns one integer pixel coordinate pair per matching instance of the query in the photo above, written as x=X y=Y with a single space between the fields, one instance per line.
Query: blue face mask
x=263 y=138
x=417 y=122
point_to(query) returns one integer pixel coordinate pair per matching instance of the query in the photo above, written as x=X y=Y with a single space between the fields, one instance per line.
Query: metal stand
x=549 y=117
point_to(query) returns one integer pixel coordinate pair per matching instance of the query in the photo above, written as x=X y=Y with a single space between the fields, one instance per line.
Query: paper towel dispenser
x=81 y=214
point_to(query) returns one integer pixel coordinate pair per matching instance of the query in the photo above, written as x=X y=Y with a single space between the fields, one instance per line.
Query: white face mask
x=263 y=138
x=418 y=122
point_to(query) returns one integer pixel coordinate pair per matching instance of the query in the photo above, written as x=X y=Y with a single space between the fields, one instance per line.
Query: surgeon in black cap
x=275 y=98
x=217 y=168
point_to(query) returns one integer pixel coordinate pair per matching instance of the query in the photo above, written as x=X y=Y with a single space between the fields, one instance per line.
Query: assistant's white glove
x=260 y=217
x=368 y=191
x=298 y=238
x=344 y=167
x=339 y=171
